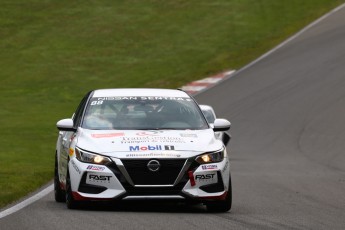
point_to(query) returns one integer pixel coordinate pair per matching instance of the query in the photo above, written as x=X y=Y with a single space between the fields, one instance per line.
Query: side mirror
x=65 y=125
x=221 y=125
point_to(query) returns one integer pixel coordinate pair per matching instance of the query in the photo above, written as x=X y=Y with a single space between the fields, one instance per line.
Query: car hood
x=148 y=143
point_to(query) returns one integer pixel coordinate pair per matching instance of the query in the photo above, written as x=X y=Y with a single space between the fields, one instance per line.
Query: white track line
x=27 y=201
x=49 y=189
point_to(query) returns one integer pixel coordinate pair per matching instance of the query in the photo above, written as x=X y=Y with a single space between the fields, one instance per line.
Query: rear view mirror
x=65 y=125
x=221 y=125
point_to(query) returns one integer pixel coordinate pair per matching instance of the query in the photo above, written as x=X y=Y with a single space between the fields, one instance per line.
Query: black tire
x=58 y=192
x=223 y=205
x=70 y=201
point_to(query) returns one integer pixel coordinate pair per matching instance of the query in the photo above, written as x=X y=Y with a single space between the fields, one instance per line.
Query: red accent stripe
x=79 y=197
x=191 y=178
x=221 y=197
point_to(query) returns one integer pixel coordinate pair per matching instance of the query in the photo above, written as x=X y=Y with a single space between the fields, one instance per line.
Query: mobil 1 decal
x=151 y=147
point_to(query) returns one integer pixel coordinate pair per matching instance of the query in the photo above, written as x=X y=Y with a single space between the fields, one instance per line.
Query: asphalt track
x=287 y=151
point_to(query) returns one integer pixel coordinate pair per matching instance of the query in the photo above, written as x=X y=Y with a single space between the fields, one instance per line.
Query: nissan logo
x=153 y=165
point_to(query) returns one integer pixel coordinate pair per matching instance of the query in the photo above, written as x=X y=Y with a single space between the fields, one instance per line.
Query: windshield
x=143 y=113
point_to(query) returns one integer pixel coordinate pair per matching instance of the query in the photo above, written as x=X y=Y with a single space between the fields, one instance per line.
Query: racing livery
x=127 y=144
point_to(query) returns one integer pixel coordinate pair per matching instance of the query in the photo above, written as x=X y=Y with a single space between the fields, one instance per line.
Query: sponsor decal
x=95 y=168
x=153 y=155
x=76 y=168
x=209 y=167
x=169 y=147
x=149 y=133
x=151 y=147
x=141 y=98
x=145 y=148
x=71 y=152
x=165 y=98
x=151 y=139
x=105 y=135
x=205 y=176
x=188 y=135
x=99 y=178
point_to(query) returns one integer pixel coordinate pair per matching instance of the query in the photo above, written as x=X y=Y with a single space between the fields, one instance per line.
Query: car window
x=209 y=115
x=143 y=113
x=77 y=116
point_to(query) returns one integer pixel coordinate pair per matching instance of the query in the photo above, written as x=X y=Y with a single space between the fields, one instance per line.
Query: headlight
x=211 y=157
x=91 y=157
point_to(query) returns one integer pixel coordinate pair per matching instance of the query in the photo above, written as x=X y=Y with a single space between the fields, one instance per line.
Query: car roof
x=146 y=92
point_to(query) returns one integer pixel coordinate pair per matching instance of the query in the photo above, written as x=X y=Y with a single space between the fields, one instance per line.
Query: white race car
x=130 y=144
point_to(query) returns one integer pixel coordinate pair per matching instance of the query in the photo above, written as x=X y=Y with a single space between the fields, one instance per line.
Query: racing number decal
x=97 y=103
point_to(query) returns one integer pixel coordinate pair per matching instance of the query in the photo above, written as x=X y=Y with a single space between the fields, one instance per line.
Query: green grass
x=53 y=52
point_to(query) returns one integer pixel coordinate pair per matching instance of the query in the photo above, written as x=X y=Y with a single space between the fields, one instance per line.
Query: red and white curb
x=200 y=85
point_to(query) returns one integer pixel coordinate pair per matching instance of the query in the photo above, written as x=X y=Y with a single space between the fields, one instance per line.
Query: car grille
x=141 y=175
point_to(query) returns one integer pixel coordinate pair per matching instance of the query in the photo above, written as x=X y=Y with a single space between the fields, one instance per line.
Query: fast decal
x=151 y=139
x=205 y=176
x=99 y=178
x=140 y=98
x=76 y=167
x=95 y=168
x=153 y=155
x=105 y=135
x=209 y=167
x=151 y=147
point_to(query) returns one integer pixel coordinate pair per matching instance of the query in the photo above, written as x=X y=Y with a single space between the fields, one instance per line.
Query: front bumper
x=130 y=179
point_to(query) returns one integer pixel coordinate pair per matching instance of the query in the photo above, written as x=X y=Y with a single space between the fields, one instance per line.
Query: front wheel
x=222 y=205
x=58 y=192
x=70 y=201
